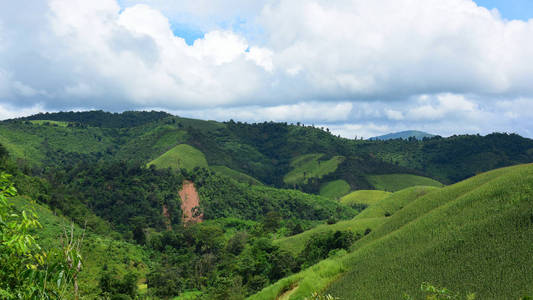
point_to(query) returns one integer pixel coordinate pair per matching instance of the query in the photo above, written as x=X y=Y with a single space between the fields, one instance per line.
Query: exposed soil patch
x=168 y=223
x=190 y=203
x=287 y=294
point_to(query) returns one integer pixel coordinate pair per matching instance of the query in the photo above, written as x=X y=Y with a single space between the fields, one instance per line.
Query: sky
x=361 y=68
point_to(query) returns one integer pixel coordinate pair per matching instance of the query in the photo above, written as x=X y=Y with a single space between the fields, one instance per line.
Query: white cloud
x=385 y=64
x=9 y=112
x=310 y=112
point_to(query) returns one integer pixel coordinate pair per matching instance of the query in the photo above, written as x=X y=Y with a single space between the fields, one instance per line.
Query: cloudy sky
x=358 y=67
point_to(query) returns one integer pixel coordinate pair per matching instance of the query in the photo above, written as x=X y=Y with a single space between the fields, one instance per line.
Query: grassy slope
x=396 y=182
x=181 y=156
x=335 y=189
x=239 y=176
x=473 y=236
x=97 y=251
x=364 y=197
x=309 y=166
x=50 y=122
x=372 y=217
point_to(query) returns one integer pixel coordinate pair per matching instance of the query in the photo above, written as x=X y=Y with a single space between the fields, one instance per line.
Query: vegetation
x=180 y=157
x=335 y=189
x=452 y=236
x=239 y=176
x=396 y=182
x=363 y=198
x=272 y=223
x=311 y=166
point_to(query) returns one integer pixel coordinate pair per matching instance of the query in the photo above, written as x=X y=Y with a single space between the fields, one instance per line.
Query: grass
x=372 y=217
x=50 y=123
x=239 y=176
x=181 y=156
x=97 y=251
x=396 y=182
x=364 y=198
x=335 y=189
x=309 y=166
x=473 y=236
x=296 y=243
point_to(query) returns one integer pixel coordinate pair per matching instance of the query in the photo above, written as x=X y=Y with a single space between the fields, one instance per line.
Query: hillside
x=280 y=207
x=264 y=151
x=453 y=237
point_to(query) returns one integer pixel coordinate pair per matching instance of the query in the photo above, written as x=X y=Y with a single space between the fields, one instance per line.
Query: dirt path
x=190 y=202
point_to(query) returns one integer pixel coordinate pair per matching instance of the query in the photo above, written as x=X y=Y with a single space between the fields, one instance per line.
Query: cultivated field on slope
x=239 y=176
x=364 y=198
x=370 y=218
x=50 y=122
x=335 y=189
x=309 y=166
x=455 y=237
x=182 y=156
x=396 y=182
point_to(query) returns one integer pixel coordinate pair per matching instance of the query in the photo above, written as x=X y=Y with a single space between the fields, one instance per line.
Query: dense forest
x=258 y=184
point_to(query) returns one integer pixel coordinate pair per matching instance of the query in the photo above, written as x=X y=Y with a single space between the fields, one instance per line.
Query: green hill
x=379 y=206
x=309 y=166
x=454 y=237
x=239 y=176
x=363 y=198
x=396 y=182
x=181 y=156
x=335 y=189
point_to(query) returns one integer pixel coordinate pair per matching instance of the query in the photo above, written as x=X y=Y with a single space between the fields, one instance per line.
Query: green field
x=473 y=236
x=335 y=189
x=50 y=122
x=364 y=198
x=182 y=156
x=371 y=217
x=309 y=166
x=396 y=182
x=239 y=176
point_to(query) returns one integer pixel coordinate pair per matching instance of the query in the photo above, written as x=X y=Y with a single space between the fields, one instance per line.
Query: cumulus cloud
x=311 y=112
x=384 y=64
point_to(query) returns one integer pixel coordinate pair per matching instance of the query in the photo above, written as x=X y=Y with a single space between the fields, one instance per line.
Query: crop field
x=181 y=156
x=364 y=198
x=471 y=237
x=50 y=123
x=370 y=218
x=335 y=189
x=239 y=176
x=396 y=182
x=309 y=166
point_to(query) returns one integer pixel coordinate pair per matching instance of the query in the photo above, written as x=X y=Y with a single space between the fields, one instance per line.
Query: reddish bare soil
x=190 y=203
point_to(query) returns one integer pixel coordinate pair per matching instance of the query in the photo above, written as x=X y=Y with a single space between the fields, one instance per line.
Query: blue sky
x=358 y=67
x=510 y=9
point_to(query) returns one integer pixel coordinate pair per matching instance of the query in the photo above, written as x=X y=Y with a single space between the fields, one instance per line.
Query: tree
x=26 y=270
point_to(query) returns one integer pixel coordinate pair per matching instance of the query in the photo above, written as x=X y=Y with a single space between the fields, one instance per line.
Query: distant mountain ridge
x=419 y=135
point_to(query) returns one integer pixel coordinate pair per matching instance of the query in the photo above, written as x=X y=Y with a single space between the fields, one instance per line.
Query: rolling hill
x=288 y=209
x=454 y=237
